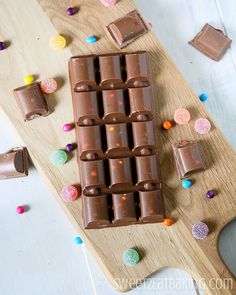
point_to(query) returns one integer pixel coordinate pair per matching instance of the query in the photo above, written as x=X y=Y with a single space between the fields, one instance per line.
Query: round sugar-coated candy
x=210 y=194
x=186 y=183
x=91 y=39
x=67 y=127
x=69 y=193
x=58 y=42
x=130 y=257
x=59 y=157
x=2 y=45
x=28 y=79
x=181 y=116
x=202 y=126
x=200 y=230
x=108 y=2
x=70 y=11
x=69 y=147
x=78 y=240
x=168 y=222
x=20 y=209
x=166 y=125
x=48 y=86
x=203 y=96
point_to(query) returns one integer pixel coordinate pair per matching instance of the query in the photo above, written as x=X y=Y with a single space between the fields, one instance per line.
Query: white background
x=37 y=252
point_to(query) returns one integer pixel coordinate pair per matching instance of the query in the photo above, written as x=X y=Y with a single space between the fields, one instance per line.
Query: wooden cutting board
x=28 y=29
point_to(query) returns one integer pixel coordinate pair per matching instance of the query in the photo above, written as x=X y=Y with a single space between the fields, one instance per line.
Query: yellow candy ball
x=28 y=79
x=58 y=42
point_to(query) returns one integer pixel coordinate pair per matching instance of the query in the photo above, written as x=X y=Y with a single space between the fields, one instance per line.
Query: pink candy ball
x=108 y=2
x=67 y=127
x=69 y=193
x=20 y=209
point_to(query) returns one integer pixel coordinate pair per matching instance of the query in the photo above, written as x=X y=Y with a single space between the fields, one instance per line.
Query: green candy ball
x=130 y=257
x=59 y=157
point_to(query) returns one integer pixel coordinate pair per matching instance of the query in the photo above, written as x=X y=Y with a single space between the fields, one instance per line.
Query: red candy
x=20 y=209
x=69 y=193
x=48 y=86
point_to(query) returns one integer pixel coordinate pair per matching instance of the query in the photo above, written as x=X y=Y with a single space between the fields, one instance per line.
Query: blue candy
x=186 y=183
x=91 y=39
x=78 y=240
x=203 y=96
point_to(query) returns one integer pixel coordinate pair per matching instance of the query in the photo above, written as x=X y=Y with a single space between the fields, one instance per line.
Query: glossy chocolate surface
x=117 y=155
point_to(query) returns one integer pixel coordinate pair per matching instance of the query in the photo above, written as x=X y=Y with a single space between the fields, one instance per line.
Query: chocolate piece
x=127 y=29
x=211 y=42
x=124 y=209
x=117 y=157
x=187 y=157
x=14 y=163
x=151 y=206
x=31 y=101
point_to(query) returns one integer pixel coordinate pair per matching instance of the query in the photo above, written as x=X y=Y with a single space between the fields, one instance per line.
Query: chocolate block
x=127 y=29
x=187 y=157
x=14 y=163
x=117 y=154
x=31 y=101
x=211 y=42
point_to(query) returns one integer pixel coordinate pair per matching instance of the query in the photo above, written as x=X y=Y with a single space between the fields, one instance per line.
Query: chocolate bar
x=211 y=42
x=127 y=29
x=31 y=101
x=117 y=155
x=187 y=157
x=14 y=163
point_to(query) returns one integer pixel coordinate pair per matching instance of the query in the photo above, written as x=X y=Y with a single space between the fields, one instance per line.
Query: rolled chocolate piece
x=144 y=141
x=187 y=158
x=114 y=106
x=140 y=104
x=95 y=212
x=86 y=108
x=147 y=173
x=151 y=206
x=120 y=174
x=90 y=146
x=93 y=178
x=117 y=141
x=124 y=209
x=31 y=101
x=127 y=29
x=137 y=69
x=82 y=73
x=110 y=71
x=14 y=163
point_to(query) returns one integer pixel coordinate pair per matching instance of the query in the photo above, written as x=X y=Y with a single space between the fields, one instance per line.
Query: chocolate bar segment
x=14 y=163
x=211 y=42
x=31 y=101
x=110 y=71
x=127 y=29
x=151 y=206
x=124 y=209
x=187 y=157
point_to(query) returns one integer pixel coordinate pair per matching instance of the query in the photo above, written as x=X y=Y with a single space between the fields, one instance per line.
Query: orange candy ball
x=166 y=125
x=168 y=222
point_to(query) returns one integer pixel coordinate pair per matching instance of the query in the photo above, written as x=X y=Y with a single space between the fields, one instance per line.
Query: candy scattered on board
x=108 y=2
x=20 y=209
x=59 y=157
x=166 y=125
x=78 y=240
x=168 y=222
x=186 y=183
x=203 y=96
x=210 y=194
x=57 y=42
x=28 y=79
x=91 y=39
x=202 y=126
x=48 y=86
x=69 y=193
x=69 y=147
x=200 y=230
x=71 y=11
x=68 y=127
x=130 y=257
x=181 y=116
x=2 y=45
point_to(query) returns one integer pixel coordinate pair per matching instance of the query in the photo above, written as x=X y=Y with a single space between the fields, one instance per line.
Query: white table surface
x=37 y=252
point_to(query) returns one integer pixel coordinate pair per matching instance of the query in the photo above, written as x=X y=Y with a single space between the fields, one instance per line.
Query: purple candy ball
x=210 y=194
x=70 y=11
x=2 y=45
x=200 y=230
x=69 y=147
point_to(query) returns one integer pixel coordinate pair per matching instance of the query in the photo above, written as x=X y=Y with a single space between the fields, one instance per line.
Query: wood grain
x=160 y=247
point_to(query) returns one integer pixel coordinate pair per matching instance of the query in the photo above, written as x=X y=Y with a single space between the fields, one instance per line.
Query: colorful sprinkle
x=203 y=96
x=108 y=2
x=181 y=116
x=69 y=193
x=59 y=157
x=20 y=209
x=2 y=45
x=91 y=39
x=210 y=194
x=57 y=42
x=28 y=79
x=200 y=230
x=69 y=147
x=48 y=86
x=186 y=183
x=168 y=221
x=70 y=11
x=130 y=257
x=166 y=125
x=78 y=240
x=67 y=127
x=202 y=126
